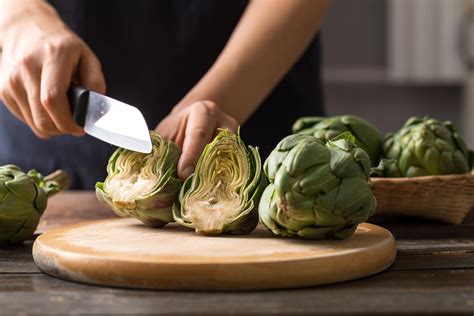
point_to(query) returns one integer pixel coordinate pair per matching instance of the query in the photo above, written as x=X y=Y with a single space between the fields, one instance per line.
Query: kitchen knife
x=110 y=120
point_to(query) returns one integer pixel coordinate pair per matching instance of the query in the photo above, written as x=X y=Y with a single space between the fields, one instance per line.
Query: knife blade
x=110 y=120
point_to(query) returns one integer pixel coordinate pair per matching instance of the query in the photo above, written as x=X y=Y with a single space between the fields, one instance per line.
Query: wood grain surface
x=433 y=274
x=123 y=252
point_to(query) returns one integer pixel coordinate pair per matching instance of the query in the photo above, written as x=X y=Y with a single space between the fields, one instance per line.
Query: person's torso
x=152 y=53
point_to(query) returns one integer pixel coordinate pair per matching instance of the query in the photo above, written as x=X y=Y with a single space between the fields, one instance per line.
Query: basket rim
x=449 y=177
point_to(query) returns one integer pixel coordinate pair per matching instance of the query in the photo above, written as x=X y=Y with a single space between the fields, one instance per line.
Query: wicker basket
x=444 y=198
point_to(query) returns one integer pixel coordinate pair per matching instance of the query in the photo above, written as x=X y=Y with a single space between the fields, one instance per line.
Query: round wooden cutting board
x=123 y=252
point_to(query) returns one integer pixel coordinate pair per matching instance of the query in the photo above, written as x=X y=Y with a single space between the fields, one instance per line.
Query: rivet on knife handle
x=78 y=99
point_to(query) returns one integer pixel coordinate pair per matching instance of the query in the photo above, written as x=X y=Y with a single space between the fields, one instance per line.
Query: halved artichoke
x=23 y=199
x=367 y=136
x=317 y=190
x=143 y=186
x=223 y=193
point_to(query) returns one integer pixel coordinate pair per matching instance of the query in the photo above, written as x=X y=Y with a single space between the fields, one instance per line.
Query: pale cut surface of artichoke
x=143 y=186
x=132 y=181
x=222 y=194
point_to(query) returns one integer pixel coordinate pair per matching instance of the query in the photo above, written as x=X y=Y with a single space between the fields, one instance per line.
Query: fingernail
x=188 y=171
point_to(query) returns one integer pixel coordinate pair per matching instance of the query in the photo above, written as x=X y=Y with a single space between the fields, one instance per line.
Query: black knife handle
x=78 y=99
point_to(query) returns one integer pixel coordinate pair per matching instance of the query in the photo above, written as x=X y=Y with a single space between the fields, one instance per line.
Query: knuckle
x=205 y=107
x=49 y=48
x=27 y=60
x=199 y=133
x=198 y=107
x=60 y=46
x=64 y=129
x=12 y=81
x=43 y=124
x=49 y=98
x=210 y=105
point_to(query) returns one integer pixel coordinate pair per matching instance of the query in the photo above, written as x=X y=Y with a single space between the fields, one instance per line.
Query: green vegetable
x=426 y=146
x=143 y=186
x=223 y=193
x=367 y=136
x=23 y=199
x=317 y=190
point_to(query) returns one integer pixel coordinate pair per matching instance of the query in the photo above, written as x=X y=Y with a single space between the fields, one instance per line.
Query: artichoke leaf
x=366 y=135
x=23 y=198
x=426 y=146
x=317 y=198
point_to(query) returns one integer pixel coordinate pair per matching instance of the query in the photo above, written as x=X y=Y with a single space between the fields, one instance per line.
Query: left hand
x=192 y=127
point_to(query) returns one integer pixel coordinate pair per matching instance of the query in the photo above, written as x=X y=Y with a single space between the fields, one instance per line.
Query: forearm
x=268 y=40
x=15 y=13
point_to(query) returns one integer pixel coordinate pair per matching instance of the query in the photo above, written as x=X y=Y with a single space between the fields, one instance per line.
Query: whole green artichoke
x=367 y=136
x=23 y=199
x=143 y=186
x=317 y=190
x=426 y=146
x=223 y=193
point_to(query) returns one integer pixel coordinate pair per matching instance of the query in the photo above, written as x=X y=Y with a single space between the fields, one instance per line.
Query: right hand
x=40 y=59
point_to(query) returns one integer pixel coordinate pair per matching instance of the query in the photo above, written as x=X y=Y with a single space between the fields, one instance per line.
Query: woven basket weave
x=444 y=198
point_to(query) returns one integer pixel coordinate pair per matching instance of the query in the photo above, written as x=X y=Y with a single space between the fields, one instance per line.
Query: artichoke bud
x=317 y=190
x=366 y=135
x=222 y=194
x=426 y=146
x=23 y=199
x=143 y=186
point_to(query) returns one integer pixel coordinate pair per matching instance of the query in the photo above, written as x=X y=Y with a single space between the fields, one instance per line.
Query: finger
x=90 y=72
x=167 y=128
x=181 y=132
x=199 y=130
x=32 y=82
x=8 y=100
x=11 y=106
x=227 y=123
x=55 y=81
x=19 y=97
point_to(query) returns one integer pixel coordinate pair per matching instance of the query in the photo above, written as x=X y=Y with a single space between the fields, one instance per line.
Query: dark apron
x=152 y=53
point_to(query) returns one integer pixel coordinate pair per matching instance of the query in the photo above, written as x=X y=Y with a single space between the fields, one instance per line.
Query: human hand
x=192 y=128
x=40 y=58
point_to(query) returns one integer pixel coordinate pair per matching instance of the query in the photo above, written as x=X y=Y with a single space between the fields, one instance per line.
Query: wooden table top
x=433 y=273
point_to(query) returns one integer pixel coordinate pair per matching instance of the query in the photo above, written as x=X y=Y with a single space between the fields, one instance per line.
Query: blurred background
x=386 y=60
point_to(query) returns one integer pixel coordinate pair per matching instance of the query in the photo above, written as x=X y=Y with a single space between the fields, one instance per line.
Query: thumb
x=90 y=73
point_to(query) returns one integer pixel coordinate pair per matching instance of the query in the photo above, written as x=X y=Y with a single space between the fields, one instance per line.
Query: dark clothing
x=152 y=53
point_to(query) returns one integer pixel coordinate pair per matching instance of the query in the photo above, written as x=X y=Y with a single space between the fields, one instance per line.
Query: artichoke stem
x=61 y=177
x=210 y=227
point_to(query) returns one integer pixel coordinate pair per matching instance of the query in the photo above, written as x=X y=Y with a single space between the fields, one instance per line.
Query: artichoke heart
x=426 y=146
x=143 y=186
x=222 y=194
x=367 y=136
x=317 y=190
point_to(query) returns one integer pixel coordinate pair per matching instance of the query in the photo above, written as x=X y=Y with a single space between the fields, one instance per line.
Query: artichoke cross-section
x=222 y=195
x=143 y=186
